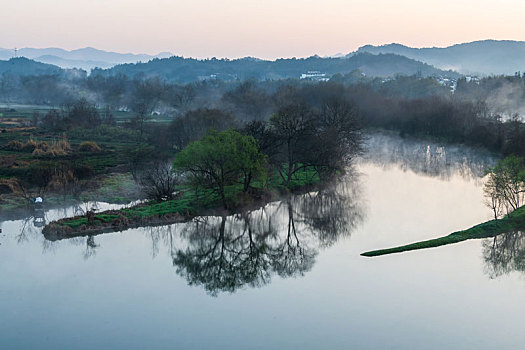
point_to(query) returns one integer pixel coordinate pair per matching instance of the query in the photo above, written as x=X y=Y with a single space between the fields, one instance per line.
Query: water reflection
x=223 y=254
x=504 y=254
x=31 y=226
x=427 y=158
x=39 y=217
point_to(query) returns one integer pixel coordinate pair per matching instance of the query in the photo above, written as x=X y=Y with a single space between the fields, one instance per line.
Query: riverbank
x=515 y=221
x=187 y=205
x=113 y=188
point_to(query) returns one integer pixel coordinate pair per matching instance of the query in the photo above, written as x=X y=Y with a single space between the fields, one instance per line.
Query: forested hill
x=21 y=66
x=183 y=70
x=25 y=66
x=489 y=57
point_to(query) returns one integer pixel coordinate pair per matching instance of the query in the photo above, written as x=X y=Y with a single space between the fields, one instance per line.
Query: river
x=287 y=276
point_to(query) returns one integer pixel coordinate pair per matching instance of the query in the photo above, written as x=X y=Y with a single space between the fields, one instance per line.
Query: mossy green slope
x=512 y=222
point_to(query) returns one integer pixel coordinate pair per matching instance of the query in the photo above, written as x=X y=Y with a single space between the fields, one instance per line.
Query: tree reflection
x=31 y=225
x=224 y=254
x=91 y=247
x=504 y=253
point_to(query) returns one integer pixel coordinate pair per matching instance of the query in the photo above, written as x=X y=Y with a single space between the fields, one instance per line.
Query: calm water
x=286 y=276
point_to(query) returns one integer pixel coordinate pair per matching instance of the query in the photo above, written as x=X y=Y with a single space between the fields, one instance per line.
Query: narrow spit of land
x=187 y=205
x=515 y=221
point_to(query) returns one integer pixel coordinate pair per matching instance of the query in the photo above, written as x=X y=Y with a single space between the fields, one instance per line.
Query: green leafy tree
x=505 y=186
x=221 y=159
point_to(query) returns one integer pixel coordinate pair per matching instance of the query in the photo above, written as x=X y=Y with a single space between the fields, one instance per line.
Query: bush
x=29 y=146
x=42 y=146
x=63 y=145
x=158 y=182
x=55 y=148
x=83 y=171
x=39 y=152
x=89 y=146
x=14 y=145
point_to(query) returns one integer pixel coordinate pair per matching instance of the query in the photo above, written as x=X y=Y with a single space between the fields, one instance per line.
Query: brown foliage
x=14 y=145
x=54 y=148
x=29 y=146
x=89 y=146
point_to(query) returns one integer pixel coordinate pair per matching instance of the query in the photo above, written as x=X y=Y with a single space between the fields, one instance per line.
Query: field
x=81 y=157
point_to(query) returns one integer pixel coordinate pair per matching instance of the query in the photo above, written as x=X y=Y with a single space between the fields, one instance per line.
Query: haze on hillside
x=486 y=57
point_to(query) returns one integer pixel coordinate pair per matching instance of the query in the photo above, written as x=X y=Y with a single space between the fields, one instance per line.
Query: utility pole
x=16 y=52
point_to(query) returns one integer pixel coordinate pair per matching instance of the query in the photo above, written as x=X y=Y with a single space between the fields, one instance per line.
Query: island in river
x=187 y=205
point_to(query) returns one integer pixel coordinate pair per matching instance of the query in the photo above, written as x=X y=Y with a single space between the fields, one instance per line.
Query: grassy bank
x=512 y=222
x=188 y=204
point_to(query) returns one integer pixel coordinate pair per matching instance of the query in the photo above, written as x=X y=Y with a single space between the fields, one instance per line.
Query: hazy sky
x=261 y=28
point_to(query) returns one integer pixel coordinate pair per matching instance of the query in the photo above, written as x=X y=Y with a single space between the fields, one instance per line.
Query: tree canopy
x=505 y=187
x=221 y=159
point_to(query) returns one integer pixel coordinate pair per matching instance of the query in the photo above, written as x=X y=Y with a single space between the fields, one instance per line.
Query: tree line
x=296 y=124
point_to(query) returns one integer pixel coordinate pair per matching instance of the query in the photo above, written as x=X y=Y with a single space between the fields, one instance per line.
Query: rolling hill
x=183 y=70
x=487 y=57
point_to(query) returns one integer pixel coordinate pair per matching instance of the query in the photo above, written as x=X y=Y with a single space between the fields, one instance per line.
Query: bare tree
x=158 y=182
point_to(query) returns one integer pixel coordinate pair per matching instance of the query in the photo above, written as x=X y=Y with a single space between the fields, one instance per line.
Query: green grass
x=512 y=222
x=191 y=202
x=76 y=222
x=301 y=179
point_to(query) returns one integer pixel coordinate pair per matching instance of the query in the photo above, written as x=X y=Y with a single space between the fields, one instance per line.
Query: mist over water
x=285 y=275
x=427 y=158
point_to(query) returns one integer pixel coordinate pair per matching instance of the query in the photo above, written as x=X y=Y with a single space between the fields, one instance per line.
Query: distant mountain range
x=184 y=70
x=487 y=57
x=86 y=58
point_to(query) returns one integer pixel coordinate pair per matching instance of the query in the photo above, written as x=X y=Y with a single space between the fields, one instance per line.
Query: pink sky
x=262 y=28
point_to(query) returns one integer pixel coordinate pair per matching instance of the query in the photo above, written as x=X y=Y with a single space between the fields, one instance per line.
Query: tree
x=194 y=124
x=222 y=159
x=83 y=114
x=248 y=101
x=146 y=96
x=158 y=182
x=505 y=186
x=53 y=120
x=293 y=126
x=338 y=137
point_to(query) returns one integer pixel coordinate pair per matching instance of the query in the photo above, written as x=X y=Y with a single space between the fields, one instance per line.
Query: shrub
x=83 y=171
x=55 y=148
x=14 y=145
x=42 y=146
x=39 y=152
x=29 y=146
x=8 y=186
x=63 y=145
x=89 y=146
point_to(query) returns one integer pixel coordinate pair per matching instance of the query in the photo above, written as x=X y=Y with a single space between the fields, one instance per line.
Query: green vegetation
x=188 y=203
x=299 y=147
x=505 y=191
x=66 y=164
x=222 y=159
x=515 y=221
x=505 y=187
x=223 y=169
